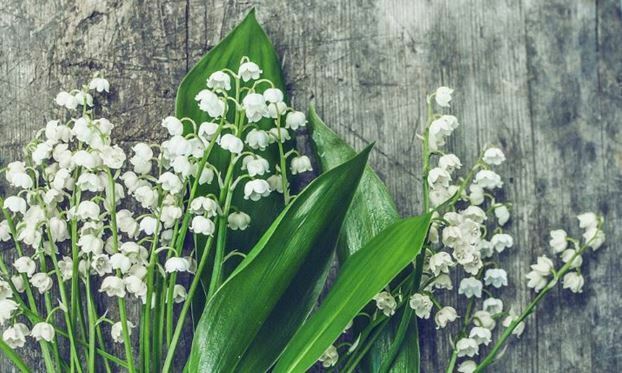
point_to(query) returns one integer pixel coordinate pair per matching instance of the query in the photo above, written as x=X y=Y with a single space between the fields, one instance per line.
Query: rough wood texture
x=542 y=79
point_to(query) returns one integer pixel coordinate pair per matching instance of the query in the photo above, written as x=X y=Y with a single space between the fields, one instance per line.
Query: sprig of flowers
x=71 y=232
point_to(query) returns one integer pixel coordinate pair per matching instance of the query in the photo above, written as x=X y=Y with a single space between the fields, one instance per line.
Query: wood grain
x=541 y=79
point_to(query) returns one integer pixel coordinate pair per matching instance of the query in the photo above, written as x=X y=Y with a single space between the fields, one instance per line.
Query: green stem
x=15 y=359
x=92 y=321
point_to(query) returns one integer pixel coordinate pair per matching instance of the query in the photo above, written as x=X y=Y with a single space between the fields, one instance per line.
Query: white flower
x=438 y=178
x=573 y=281
x=182 y=166
x=15 y=336
x=467 y=347
x=543 y=265
x=5 y=290
x=43 y=330
x=520 y=327
x=588 y=220
x=82 y=158
x=273 y=95
x=205 y=205
x=255 y=189
x=443 y=96
x=386 y=303
x=537 y=281
x=493 y=306
x=594 y=237
x=275 y=133
x=206 y=131
x=255 y=107
x=121 y=262
x=100 y=85
x=207 y=175
x=558 y=240
x=481 y=335
x=257 y=139
x=255 y=165
x=249 y=70
x=42 y=152
x=445 y=315
x=112 y=156
x=295 y=120
x=276 y=183
x=67 y=100
x=449 y=162
x=176 y=264
x=117 y=331
x=493 y=156
x=170 y=182
x=25 y=265
x=148 y=224
x=42 y=281
x=488 y=179
x=202 y=225
x=439 y=130
x=231 y=143
x=210 y=103
x=5 y=231
x=7 y=308
x=55 y=132
x=15 y=204
x=146 y=196
x=90 y=182
x=470 y=287
x=440 y=263
x=484 y=319
x=17 y=175
x=301 y=164
x=219 y=80
x=467 y=366
x=443 y=282
x=101 y=264
x=113 y=287
x=18 y=282
x=476 y=197
x=474 y=213
x=330 y=357
x=422 y=304
x=503 y=214
x=501 y=241
x=173 y=126
x=89 y=243
x=238 y=221
x=135 y=286
x=66 y=268
x=496 y=277
x=169 y=215
x=179 y=293
x=568 y=254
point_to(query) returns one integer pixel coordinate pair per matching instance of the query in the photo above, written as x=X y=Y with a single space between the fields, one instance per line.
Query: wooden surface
x=540 y=78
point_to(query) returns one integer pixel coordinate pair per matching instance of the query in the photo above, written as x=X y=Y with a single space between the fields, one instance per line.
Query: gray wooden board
x=542 y=79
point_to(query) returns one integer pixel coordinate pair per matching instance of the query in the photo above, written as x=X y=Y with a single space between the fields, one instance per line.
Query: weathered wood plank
x=540 y=79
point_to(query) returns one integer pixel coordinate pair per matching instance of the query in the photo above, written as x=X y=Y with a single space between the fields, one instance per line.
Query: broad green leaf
x=372 y=210
x=362 y=276
x=247 y=39
x=306 y=229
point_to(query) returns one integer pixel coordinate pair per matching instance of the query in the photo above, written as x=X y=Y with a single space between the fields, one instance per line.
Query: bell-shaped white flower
x=177 y=264
x=484 y=319
x=249 y=70
x=112 y=156
x=255 y=189
x=475 y=214
x=467 y=347
x=207 y=176
x=67 y=100
x=470 y=287
x=41 y=153
x=88 y=182
x=501 y=241
x=7 y=309
x=17 y=175
x=255 y=165
x=15 y=204
x=5 y=290
x=231 y=143
x=238 y=221
x=135 y=286
x=488 y=179
x=257 y=139
x=573 y=281
x=101 y=264
x=481 y=335
x=422 y=304
x=503 y=214
x=88 y=210
x=273 y=95
x=179 y=293
x=173 y=125
x=276 y=133
x=219 y=80
x=440 y=263
x=386 y=303
x=594 y=237
x=83 y=158
x=588 y=220
x=276 y=183
x=205 y=205
x=117 y=331
x=206 y=131
x=443 y=96
x=544 y=265
x=146 y=196
x=15 y=336
x=100 y=85
x=496 y=277
x=170 y=182
x=210 y=103
x=25 y=265
x=558 y=240
x=330 y=357
x=295 y=120
x=42 y=281
x=90 y=244
x=467 y=366
x=202 y=225
x=493 y=156
x=148 y=225
x=43 y=331
x=113 y=287
x=449 y=162
x=493 y=306
x=121 y=262
x=476 y=197
x=568 y=255
x=445 y=315
x=255 y=107
x=520 y=327
x=301 y=164
x=169 y=215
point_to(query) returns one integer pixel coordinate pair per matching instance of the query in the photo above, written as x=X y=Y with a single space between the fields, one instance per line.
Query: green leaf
x=247 y=39
x=372 y=210
x=362 y=276
x=261 y=286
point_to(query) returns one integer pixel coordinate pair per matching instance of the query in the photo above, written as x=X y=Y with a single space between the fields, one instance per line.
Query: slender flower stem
x=92 y=321
x=129 y=356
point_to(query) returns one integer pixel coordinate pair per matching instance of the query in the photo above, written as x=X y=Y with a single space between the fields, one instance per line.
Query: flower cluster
x=72 y=227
